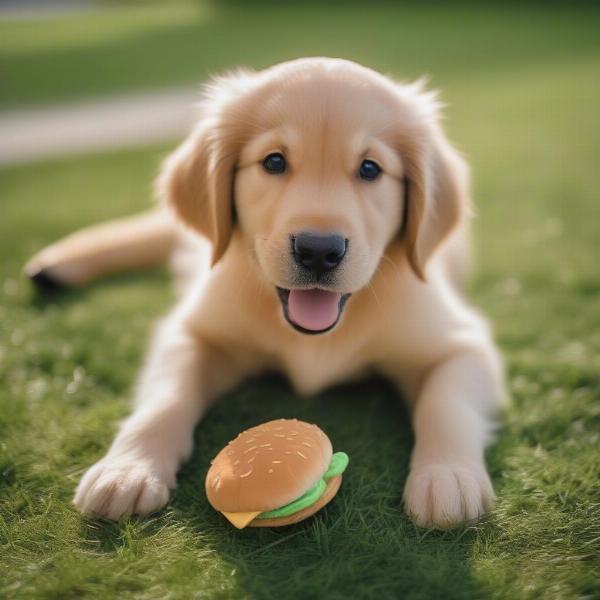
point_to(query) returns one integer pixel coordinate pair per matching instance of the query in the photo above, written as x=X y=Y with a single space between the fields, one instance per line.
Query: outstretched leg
x=182 y=376
x=452 y=419
x=136 y=242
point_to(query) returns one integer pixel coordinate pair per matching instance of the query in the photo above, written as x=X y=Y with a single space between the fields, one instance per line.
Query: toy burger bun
x=275 y=474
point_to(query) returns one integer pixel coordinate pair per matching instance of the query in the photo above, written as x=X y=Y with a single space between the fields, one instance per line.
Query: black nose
x=318 y=252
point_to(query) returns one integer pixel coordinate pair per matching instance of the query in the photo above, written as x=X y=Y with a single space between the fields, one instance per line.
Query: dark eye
x=369 y=170
x=274 y=163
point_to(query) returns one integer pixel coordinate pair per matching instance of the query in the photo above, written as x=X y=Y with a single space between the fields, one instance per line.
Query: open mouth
x=312 y=311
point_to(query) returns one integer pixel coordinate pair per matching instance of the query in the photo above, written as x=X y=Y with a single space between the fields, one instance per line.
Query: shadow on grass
x=361 y=544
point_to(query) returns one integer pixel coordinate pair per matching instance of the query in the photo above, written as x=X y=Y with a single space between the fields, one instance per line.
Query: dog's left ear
x=436 y=195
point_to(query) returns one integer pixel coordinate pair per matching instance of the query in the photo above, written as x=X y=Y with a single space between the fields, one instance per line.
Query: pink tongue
x=313 y=309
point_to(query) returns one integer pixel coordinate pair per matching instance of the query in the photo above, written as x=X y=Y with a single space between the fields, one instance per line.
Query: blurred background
x=94 y=94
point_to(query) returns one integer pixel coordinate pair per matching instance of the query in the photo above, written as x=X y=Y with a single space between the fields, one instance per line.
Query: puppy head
x=324 y=164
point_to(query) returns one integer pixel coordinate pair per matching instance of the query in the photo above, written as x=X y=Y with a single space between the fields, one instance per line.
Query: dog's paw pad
x=443 y=496
x=111 y=489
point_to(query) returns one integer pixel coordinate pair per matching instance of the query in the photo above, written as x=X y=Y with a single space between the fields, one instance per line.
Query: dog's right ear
x=196 y=180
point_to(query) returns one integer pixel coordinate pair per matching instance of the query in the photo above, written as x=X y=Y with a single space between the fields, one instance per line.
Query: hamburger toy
x=275 y=474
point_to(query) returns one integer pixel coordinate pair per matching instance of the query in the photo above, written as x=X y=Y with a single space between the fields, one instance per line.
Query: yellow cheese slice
x=240 y=519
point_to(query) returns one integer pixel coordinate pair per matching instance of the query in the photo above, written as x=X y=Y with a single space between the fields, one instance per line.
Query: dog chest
x=311 y=370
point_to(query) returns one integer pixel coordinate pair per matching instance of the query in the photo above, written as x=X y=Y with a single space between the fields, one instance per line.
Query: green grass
x=133 y=45
x=526 y=115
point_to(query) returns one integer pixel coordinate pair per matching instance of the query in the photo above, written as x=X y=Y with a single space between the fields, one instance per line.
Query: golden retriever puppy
x=333 y=212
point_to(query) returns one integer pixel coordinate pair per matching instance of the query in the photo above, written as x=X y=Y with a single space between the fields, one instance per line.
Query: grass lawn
x=523 y=88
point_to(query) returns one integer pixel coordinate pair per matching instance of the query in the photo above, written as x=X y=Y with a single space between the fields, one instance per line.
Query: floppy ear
x=436 y=196
x=197 y=179
x=197 y=182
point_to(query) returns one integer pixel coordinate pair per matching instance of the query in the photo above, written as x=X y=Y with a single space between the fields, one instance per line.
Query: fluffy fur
x=407 y=318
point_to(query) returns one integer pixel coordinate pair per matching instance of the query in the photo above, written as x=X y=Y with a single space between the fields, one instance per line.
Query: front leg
x=181 y=377
x=452 y=419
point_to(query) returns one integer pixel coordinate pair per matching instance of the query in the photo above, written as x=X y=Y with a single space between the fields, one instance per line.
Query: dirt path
x=92 y=126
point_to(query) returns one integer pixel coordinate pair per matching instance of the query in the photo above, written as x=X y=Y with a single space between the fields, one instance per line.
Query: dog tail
x=137 y=242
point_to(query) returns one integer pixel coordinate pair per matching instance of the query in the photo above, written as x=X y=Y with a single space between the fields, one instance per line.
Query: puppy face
x=317 y=159
x=318 y=194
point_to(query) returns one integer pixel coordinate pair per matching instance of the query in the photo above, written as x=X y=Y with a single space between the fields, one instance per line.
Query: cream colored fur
x=407 y=318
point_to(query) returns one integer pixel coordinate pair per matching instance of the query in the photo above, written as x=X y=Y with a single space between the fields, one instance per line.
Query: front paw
x=117 y=486
x=443 y=496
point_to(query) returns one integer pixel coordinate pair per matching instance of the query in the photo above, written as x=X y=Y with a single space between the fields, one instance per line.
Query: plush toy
x=275 y=474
